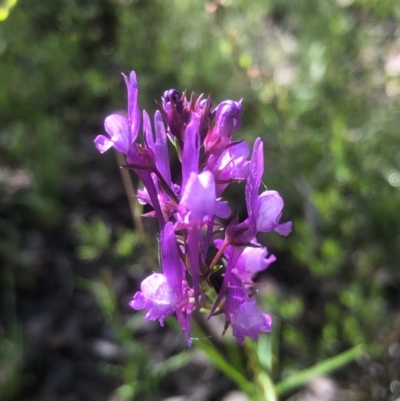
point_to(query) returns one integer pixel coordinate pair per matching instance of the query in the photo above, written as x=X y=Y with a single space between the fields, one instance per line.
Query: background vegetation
x=321 y=85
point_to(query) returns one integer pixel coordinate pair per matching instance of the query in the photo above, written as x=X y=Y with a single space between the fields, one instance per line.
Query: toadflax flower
x=265 y=210
x=252 y=260
x=122 y=131
x=163 y=294
x=242 y=313
x=188 y=206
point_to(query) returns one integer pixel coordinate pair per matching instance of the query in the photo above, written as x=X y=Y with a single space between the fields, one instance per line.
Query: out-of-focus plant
x=140 y=375
x=5 y=7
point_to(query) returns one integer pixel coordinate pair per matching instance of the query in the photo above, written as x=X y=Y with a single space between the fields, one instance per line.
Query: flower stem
x=218 y=255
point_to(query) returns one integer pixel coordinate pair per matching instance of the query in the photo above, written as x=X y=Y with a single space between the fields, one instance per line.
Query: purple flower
x=210 y=161
x=163 y=294
x=270 y=207
x=199 y=204
x=252 y=261
x=173 y=110
x=156 y=296
x=228 y=116
x=228 y=120
x=199 y=200
x=265 y=210
x=116 y=127
x=122 y=131
x=242 y=313
x=231 y=166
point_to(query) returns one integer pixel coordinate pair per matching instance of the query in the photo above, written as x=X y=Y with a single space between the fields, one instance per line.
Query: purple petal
x=148 y=132
x=199 y=201
x=244 y=316
x=191 y=149
x=270 y=211
x=231 y=166
x=116 y=127
x=133 y=105
x=254 y=178
x=234 y=254
x=247 y=321
x=228 y=117
x=162 y=156
x=193 y=253
x=252 y=261
x=172 y=266
x=103 y=143
x=184 y=322
x=157 y=297
x=228 y=120
x=173 y=109
x=284 y=228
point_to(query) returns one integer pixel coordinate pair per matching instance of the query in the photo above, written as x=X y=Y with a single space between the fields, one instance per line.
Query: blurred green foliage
x=320 y=82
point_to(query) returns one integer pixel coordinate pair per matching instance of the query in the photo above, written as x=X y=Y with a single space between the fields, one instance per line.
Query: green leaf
x=171 y=364
x=205 y=345
x=327 y=366
x=267 y=386
x=220 y=362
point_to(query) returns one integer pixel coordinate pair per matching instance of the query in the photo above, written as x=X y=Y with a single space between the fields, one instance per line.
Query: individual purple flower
x=198 y=205
x=228 y=119
x=206 y=116
x=242 y=313
x=122 y=131
x=173 y=110
x=116 y=127
x=252 y=261
x=228 y=116
x=199 y=200
x=264 y=214
x=270 y=212
x=231 y=166
x=163 y=294
x=265 y=210
x=157 y=297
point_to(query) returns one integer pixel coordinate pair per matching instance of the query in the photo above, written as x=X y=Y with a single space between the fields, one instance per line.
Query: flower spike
x=190 y=211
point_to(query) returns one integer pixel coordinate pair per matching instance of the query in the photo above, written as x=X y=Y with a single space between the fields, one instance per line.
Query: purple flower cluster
x=187 y=210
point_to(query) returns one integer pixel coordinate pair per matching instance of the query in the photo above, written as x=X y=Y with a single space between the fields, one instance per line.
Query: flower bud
x=228 y=119
x=173 y=110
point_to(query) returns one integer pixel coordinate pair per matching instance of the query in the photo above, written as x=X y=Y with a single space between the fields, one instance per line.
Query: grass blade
x=329 y=365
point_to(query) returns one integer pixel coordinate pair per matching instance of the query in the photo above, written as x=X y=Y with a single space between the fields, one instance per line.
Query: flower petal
x=157 y=297
x=284 y=228
x=117 y=127
x=270 y=211
x=103 y=143
x=254 y=178
x=133 y=106
x=191 y=149
x=199 y=201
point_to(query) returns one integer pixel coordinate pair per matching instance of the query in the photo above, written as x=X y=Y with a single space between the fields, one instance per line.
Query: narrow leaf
x=327 y=366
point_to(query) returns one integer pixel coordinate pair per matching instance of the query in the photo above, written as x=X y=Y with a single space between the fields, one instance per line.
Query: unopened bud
x=173 y=110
